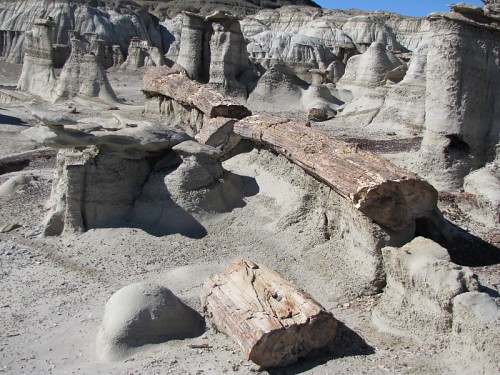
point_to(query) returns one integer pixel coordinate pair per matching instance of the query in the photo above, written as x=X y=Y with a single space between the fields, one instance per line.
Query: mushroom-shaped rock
x=140 y=314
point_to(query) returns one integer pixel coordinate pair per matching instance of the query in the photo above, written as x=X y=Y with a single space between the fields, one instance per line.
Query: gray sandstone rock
x=141 y=314
x=82 y=75
x=115 y=25
x=462 y=126
x=421 y=285
x=212 y=50
x=38 y=76
x=476 y=331
x=370 y=68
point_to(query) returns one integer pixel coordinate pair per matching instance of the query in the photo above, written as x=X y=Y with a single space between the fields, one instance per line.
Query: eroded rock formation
x=38 y=75
x=141 y=55
x=462 y=124
x=82 y=75
x=115 y=25
x=141 y=314
x=434 y=300
x=212 y=50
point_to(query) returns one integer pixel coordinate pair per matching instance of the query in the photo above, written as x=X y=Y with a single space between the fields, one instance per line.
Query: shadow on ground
x=11 y=120
x=347 y=344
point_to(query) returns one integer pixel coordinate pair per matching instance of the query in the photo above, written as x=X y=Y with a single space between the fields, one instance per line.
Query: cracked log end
x=396 y=204
x=273 y=321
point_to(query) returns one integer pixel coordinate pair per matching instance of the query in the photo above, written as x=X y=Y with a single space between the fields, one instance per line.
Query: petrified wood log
x=174 y=83
x=389 y=195
x=273 y=321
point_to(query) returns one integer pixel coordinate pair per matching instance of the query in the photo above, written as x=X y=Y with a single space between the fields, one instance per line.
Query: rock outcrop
x=85 y=194
x=212 y=50
x=462 y=126
x=38 y=75
x=421 y=284
x=432 y=299
x=141 y=314
x=141 y=55
x=82 y=75
x=114 y=23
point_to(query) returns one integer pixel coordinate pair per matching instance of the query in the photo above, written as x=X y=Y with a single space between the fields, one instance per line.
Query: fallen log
x=175 y=84
x=389 y=195
x=273 y=321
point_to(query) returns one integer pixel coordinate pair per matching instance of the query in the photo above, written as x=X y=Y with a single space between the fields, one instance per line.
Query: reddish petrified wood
x=273 y=321
x=389 y=195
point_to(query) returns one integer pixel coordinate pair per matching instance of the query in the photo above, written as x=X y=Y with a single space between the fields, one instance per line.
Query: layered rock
x=85 y=194
x=462 y=124
x=38 y=75
x=115 y=25
x=82 y=75
x=212 y=50
x=141 y=55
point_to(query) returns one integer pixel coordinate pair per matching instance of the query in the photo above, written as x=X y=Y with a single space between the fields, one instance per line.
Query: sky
x=406 y=7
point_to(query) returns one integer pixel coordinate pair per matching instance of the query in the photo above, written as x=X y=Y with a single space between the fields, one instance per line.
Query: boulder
x=141 y=314
x=476 y=331
x=421 y=286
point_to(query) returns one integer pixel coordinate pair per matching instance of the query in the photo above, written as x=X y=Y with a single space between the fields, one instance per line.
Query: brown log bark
x=174 y=83
x=389 y=195
x=273 y=321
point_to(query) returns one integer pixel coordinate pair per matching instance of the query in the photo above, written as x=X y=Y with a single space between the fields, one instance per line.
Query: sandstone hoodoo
x=83 y=75
x=273 y=321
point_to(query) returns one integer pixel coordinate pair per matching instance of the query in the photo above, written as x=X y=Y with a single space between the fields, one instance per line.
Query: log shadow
x=11 y=120
x=463 y=247
x=160 y=215
x=347 y=344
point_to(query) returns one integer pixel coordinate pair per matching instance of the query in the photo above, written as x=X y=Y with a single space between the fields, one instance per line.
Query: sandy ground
x=53 y=290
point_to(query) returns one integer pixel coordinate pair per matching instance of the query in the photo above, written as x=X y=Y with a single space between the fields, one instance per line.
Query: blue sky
x=407 y=7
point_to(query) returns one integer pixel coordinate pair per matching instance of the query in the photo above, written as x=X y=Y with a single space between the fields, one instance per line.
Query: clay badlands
x=248 y=187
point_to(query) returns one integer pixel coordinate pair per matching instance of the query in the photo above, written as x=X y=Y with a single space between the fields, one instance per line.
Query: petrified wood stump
x=273 y=321
x=389 y=195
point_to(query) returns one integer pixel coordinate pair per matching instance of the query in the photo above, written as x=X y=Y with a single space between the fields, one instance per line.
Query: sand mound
x=140 y=314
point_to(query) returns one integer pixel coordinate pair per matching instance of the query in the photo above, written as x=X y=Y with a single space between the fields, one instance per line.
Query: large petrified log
x=273 y=321
x=389 y=195
x=174 y=83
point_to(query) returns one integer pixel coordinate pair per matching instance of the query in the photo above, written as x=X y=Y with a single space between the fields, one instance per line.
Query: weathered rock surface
x=370 y=68
x=212 y=50
x=141 y=55
x=85 y=194
x=462 y=127
x=38 y=75
x=115 y=25
x=421 y=286
x=141 y=314
x=82 y=75
x=476 y=331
